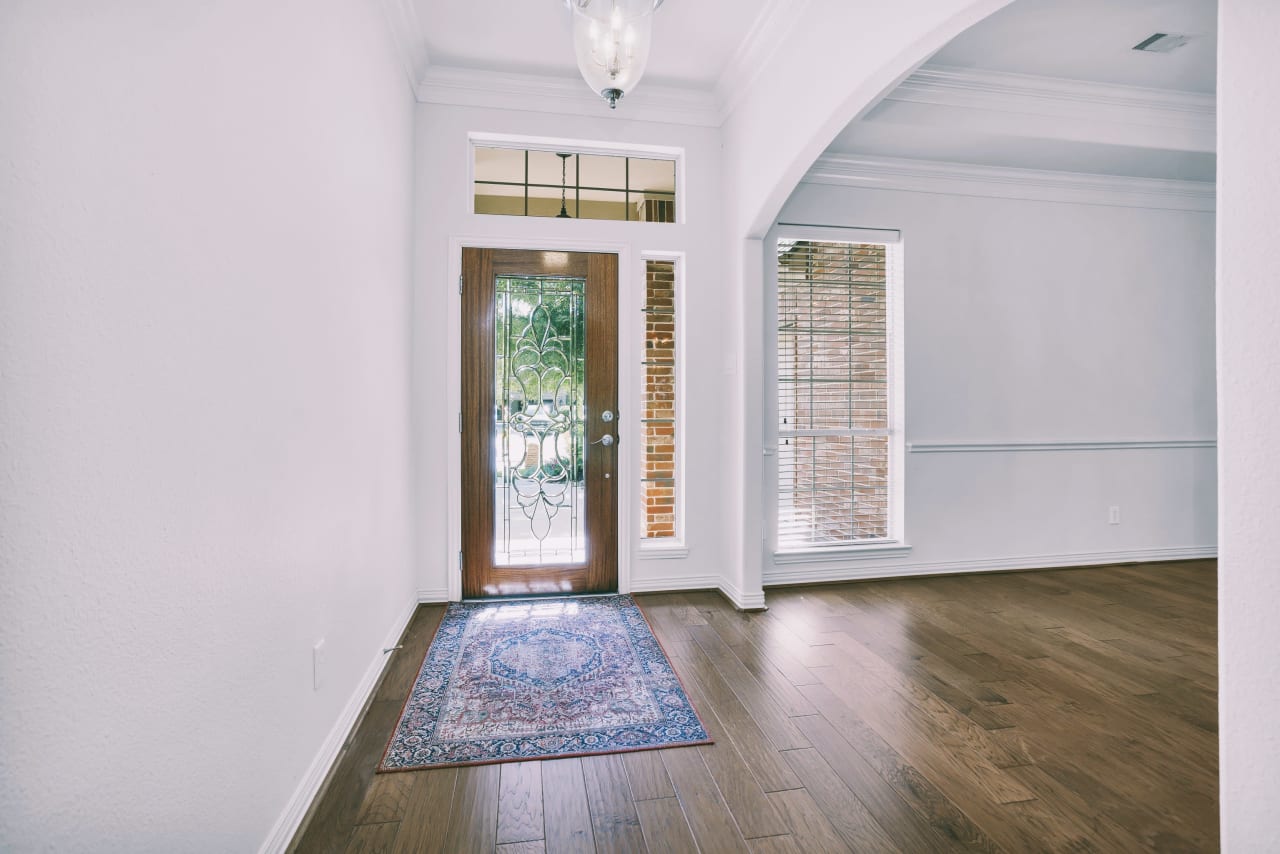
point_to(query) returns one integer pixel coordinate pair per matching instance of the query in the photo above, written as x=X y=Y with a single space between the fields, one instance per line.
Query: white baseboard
x=287 y=825
x=865 y=569
x=432 y=595
x=666 y=583
x=742 y=601
x=675 y=583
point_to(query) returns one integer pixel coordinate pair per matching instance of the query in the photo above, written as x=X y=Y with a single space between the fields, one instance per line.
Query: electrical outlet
x=1113 y=515
x=317 y=665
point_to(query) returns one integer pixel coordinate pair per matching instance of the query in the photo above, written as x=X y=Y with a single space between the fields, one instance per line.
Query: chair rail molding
x=1057 y=445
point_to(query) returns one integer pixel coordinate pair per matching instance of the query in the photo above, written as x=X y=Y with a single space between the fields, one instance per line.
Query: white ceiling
x=1040 y=84
x=693 y=40
x=979 y=114
x=1093 y=40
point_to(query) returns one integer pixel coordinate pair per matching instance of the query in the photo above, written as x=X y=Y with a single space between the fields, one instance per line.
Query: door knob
x=605 y=440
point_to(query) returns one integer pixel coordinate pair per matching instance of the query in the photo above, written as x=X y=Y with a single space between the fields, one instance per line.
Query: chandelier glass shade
x=611 y=39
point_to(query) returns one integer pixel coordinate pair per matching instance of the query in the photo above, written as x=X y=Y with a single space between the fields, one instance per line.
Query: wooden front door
x=539 y=422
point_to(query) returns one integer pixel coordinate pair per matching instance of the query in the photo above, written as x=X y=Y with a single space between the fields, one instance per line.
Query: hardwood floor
x=1065 y=710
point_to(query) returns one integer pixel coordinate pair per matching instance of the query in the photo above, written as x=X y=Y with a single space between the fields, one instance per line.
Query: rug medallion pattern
x=506 y=681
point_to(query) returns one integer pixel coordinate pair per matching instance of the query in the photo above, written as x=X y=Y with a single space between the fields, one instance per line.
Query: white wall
x=443 y=194
x=1037 y=321
x=1248 y=413
x=833 y=63
x=205 y=216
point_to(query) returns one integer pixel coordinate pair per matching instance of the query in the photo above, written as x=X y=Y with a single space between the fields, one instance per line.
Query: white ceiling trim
x=438 y=84
x=503 y=90
x=1057 y=97
x=963 y=179
x=1072 y=104
x=409 y=37
x=767 y=33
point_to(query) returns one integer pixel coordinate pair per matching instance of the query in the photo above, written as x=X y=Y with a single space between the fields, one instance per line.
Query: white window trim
x=820 y=554
x=664 y=548
x=577 y=146
x=895 y=542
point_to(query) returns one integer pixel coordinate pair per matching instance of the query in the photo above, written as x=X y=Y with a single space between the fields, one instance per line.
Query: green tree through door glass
x=540 y=337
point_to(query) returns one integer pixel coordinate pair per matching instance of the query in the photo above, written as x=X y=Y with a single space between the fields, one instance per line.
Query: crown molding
x=437 y=84
x=409 y=37
x=964 y=179
x=976 y=89
x=1183 y=120
x=568 y=95
x=1075 y=108
x=771 y=27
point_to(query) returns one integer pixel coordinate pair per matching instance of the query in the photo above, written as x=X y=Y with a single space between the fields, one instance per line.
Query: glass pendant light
x=611 y=39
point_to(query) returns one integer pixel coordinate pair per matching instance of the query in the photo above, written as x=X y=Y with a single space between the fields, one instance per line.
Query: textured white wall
x=205 y=217
x=444 y=194
x=1249 y=419
x=1036 y=321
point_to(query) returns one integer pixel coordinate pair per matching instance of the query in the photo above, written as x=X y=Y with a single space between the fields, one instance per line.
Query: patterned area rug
x=507 y=681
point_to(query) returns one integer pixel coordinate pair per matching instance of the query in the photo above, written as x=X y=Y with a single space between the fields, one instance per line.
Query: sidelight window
x=660 y=451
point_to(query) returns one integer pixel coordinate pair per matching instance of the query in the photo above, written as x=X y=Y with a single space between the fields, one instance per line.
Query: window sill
x=664 y=549
x=887 y=548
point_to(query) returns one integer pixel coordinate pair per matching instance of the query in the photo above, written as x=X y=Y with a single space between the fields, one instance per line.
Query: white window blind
x=833 y=393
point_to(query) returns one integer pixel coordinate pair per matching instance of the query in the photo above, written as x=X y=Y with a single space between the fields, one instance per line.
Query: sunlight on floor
x=529 y=610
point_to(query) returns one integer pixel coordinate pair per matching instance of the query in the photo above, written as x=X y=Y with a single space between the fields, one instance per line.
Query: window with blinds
x=833 y=372
x=658 y=418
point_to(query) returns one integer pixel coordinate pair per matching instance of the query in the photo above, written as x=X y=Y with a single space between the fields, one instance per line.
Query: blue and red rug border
x=383 y=769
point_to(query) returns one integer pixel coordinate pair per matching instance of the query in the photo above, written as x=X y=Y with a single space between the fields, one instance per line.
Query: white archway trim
x=838 y=59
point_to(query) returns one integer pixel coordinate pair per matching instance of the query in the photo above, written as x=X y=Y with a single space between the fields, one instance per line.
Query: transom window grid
x=658 y=419
x=575 y=185
x=833 y=389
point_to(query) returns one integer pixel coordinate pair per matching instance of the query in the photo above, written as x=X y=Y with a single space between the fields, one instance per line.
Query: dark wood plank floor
x=1065 y=710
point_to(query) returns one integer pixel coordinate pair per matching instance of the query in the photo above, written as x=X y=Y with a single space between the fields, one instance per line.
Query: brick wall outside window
x=658 y=418
x=833 y=475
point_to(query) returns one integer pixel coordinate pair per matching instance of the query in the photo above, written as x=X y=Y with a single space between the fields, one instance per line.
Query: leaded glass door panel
x=539 y=450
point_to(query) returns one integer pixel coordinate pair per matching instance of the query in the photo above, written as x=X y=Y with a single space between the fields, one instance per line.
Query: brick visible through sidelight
x=658 y=418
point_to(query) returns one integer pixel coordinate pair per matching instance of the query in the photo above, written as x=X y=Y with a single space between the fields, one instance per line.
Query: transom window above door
x=568 y=183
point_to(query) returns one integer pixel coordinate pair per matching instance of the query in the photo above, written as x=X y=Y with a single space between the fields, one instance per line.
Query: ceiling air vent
x=1161 y=43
